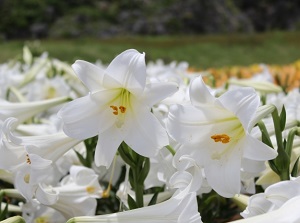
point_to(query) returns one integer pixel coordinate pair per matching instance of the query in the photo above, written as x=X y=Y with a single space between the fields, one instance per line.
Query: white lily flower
x=34 y=211
x=161 y=169
x=289 y=212
x=274 y=197
x=10 y=76
x=23 y=111
x=179 y=209
x=216 y=132
x=32 y=158
x=124 y=190
x=117 y=108
x=76 y=194
x=15 y=150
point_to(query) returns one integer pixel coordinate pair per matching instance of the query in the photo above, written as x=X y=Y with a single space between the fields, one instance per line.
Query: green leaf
x=290 y=140
x=4 y=212
x=144 y=171
x=131 y=178
x=153 y=199
x=282 y=118
x=126 y=157
x=265 y=135
x=81 y=158
x=274 y=167
x=131 y=203
x=294 y=172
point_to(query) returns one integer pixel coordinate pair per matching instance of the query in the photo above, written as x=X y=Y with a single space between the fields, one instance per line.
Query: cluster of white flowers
x=197 y=139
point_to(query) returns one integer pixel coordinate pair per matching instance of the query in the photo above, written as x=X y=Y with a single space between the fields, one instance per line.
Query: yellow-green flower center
x=234 y=133
x=120 y=105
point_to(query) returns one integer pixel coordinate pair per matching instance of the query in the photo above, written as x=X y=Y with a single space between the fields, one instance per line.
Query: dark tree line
x=105 y=18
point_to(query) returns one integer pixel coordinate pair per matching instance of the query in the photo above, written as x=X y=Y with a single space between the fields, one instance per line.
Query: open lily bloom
x=118 y=107
x=179 y=209
x=75 y=196
x=31 y=158
x=24 y=110
x=216 y=133
x=274 y=197
x=35 y=212
x=289 y=212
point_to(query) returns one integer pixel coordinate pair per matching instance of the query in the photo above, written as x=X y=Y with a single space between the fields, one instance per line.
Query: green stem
x=171 y=150
x=139 y=189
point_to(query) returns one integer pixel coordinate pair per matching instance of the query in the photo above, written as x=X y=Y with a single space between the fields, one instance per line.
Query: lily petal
x=93 y=77
x=129 y=69
x=86 y=121
x=89 y=74
x=155 y=92
x=82 y=124
x=107 y=145
x=187 y=124
x=243 y=102
x=200 y=93
x=256 y=150
x=282 y=191
x=223 y=175
x=289 y=212
x=146 y=134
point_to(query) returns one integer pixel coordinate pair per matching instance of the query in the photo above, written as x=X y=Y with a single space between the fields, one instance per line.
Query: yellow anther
x=221 y=138
x=28 y=159
x=115 y=109
x=90 y=189
x=122 y=109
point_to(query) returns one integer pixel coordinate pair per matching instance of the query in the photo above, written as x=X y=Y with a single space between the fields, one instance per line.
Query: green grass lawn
x=200 y=51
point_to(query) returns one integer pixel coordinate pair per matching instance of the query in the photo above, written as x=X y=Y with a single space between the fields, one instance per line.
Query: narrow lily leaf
x=265 y=135
x=4 y=212
x=126 y=157
x=282 y=118
x=144 y=171
x=131 y=203
x=290 y=139
x=153 y=199
x=81 y=159
x=295 y=171
x=274 y=167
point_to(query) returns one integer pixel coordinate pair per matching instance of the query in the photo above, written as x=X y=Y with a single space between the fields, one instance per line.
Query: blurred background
x=204 y=33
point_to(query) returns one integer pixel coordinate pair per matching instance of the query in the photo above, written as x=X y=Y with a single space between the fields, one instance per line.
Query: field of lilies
x=136 y=141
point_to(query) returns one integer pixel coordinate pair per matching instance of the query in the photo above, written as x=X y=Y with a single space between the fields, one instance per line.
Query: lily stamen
x=28 y=159
x=115 y=109
x=221 y=138
x=122 y=109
